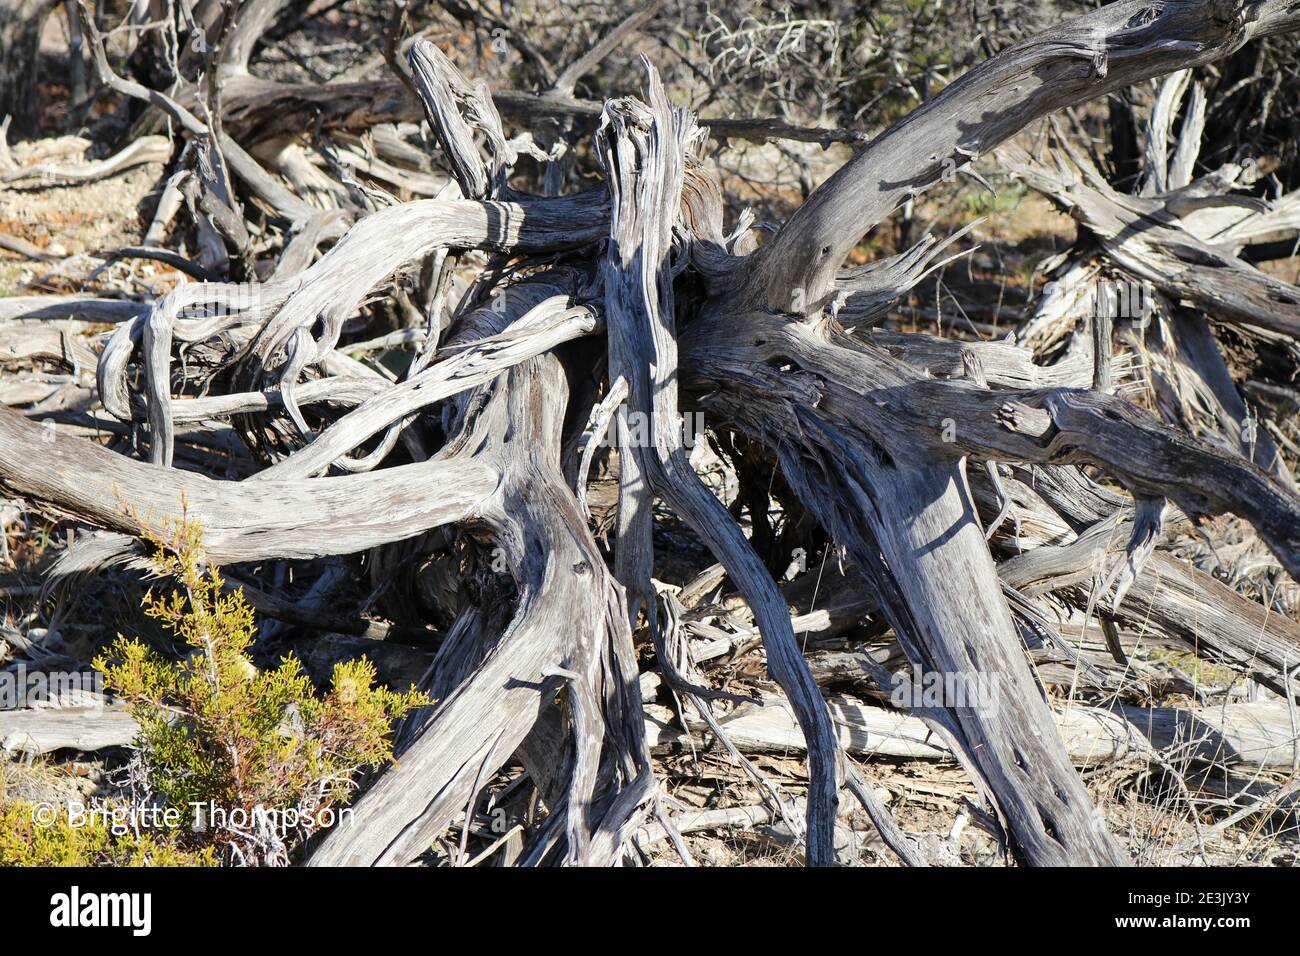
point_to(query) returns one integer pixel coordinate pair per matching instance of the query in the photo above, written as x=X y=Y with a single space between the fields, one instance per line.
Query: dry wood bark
x=571 y=625
x=1251 y=737
x=42 y=731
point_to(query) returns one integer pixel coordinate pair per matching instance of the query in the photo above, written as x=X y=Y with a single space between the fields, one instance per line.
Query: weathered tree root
x=871 y=443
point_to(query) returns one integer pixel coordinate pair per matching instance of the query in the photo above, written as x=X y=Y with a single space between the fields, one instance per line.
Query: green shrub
x=216 y=730
x=25 y=842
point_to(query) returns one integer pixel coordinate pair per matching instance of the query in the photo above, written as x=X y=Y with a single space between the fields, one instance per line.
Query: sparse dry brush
x=404 y=306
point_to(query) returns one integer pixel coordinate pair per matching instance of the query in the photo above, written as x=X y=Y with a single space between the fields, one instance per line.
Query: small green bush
x=57 y=842
x=216 y=730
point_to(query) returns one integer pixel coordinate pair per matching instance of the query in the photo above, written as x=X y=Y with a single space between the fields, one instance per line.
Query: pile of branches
x=964 y=488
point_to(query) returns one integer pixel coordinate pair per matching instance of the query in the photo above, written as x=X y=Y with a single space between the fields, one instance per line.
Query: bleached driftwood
x=47 y=729
x=1257 y=736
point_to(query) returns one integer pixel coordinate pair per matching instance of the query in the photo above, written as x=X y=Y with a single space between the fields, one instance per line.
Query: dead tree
x=876 y=435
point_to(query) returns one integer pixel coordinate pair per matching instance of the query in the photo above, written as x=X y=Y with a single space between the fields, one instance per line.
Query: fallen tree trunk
x=1246 y=737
